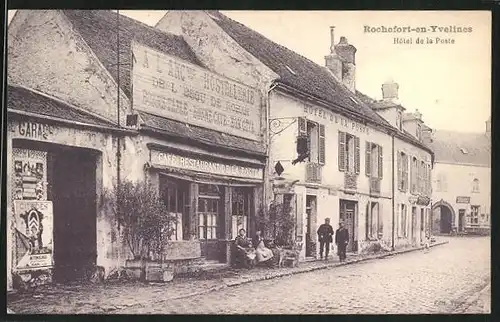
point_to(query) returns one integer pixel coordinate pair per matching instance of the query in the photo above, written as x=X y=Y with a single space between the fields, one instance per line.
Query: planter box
x=182 y=250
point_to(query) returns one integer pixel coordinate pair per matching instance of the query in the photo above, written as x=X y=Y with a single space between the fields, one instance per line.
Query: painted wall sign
x=32 y=130
x=33 y=234
x=194 y=164
x=170 y=87
x=327 y=115
x=30 y=174
x=462 y=199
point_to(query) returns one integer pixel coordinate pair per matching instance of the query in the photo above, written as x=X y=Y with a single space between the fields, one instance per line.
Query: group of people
x=256 y=248
x=325 y=238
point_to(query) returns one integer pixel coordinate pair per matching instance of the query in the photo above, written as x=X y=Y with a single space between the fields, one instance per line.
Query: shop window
x=373 y=221
x=241 y=208
x=474 y=215
x=175 y=197
x=475 y=185
x=349 y=154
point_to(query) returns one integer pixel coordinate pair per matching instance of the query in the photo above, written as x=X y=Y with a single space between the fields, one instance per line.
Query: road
x=438 y=281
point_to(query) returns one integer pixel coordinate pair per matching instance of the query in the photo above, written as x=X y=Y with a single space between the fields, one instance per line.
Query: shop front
x=211 y=197
x=54 y=175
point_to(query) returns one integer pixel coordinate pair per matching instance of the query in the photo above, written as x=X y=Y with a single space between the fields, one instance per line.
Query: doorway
x=445 y=220
x=210 y=219
x=175 y=196
x=73 y=192
x=310 y=223
x=348 y=215
x=461 y=220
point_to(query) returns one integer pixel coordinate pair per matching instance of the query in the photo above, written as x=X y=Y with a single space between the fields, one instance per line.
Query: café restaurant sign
x=200 y=165
x=167 y=86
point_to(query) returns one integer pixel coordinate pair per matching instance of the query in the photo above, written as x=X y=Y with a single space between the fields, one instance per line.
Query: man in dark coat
x=325 y=237
x=341 y=240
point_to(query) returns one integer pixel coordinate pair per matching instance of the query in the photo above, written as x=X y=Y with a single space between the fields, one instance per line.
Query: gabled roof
x=181 y=130
x=24 y=100
x=98 y=29
x=295 y=70
x=449 y=147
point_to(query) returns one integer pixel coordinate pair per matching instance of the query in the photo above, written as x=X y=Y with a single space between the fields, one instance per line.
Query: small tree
x=145 y=221
x=279 y=223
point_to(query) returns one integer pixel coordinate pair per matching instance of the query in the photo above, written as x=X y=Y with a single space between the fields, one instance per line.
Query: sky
x=449 y=83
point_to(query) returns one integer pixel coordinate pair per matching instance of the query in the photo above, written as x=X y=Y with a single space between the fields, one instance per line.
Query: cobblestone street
x=417 y=282
x=439 y=281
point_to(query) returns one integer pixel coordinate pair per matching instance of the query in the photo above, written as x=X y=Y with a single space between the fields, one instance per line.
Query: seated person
x=244 y=247
x=263 y=253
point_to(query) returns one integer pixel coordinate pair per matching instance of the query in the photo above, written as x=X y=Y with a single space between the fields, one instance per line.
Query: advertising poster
x=30 y=174
x=33 y=234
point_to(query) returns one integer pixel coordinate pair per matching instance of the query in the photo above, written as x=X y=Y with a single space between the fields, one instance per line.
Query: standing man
x=325 y=237
x=341 y=240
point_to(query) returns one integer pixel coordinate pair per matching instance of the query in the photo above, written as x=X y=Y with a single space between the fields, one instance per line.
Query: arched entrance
x=443 y=217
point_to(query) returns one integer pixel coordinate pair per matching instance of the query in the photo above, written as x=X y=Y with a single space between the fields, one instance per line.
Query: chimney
x=347 y=54
x=390 y=91
x=332 y=61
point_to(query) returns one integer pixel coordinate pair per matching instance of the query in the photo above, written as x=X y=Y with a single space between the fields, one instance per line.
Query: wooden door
x=347 y=216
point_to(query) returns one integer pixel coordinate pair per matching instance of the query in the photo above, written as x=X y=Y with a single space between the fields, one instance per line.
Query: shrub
x=143 y=217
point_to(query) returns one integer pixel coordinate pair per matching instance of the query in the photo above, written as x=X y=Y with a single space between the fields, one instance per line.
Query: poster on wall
x=30 y=174
x=33 y=221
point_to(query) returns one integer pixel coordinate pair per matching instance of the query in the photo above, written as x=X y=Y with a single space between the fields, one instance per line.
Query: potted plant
x=145 y=224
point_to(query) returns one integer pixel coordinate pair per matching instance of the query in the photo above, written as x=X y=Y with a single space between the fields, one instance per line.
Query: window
x=208 y=211
x=414 y=176
x=404 y=225
x=315 y=139
x=374 y=160
x=475 y=185
x=349 y=156
x=421 y=177
x=441 y=183
x=474 y=214
x=174 y=197
x=402 y=163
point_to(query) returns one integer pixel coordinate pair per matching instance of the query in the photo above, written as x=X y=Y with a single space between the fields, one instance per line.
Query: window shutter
x=429 y=175
x=322 y=151
x=380 y=163
x=342 y=151
x=368 y=159
x=299 y=202
x=400 y=172
x=357 y=160
x=302 y=126
x=367 y=221
x=405 y=173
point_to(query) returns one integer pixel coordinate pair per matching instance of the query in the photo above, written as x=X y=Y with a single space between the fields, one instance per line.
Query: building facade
x=344 y=170
x=461 y=181
x=101 y=110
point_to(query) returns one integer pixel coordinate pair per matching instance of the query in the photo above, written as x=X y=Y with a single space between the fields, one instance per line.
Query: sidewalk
x=105 y=298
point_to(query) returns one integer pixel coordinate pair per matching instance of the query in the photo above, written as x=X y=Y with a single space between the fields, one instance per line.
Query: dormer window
x=464 y=151
x=475 y=185
x=399 y=120
x=419 y=131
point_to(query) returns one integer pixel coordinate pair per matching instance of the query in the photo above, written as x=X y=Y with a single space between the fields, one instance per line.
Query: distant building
x=412 y=167
x=461 y=181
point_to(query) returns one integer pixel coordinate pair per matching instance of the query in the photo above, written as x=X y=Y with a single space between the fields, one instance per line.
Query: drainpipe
x=392 y=199
x=268 y=143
